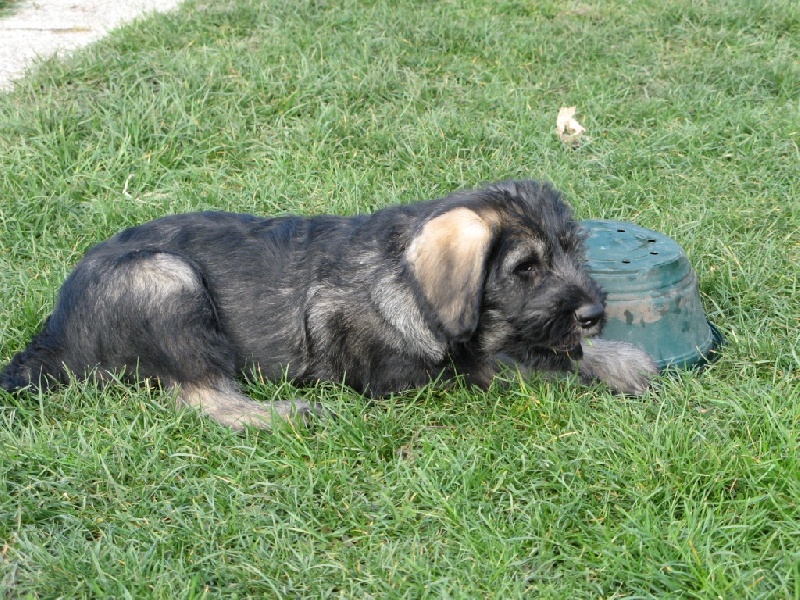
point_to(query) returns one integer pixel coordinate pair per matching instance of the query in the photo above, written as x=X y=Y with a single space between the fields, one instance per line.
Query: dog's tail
x=35 y=368
x=16 y=376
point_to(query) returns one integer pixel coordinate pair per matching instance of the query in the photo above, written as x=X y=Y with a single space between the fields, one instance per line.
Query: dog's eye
x=526 y=267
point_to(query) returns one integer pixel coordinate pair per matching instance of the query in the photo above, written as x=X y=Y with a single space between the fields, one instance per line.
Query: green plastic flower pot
x=653 y=297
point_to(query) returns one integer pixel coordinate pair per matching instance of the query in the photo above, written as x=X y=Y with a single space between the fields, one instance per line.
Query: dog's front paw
x=306 y=413
x=634 y=381
x=625 y=368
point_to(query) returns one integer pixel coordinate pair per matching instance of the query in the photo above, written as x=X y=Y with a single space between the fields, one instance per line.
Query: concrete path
x=42 y=28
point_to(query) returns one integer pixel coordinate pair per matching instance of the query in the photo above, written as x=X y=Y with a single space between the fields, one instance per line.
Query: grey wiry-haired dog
x=384 y=302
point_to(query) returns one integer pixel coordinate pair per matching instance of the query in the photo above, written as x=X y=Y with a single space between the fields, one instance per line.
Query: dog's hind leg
x=190 y=350
x=222 y=401
x=146 y=313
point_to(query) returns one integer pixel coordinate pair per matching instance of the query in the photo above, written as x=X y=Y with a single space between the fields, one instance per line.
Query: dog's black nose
x=589 y=315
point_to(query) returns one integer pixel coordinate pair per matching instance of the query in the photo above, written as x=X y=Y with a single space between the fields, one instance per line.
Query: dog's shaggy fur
x=460 y=285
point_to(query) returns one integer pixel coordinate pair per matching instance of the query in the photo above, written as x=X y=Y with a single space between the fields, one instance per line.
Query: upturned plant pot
x=653 y=295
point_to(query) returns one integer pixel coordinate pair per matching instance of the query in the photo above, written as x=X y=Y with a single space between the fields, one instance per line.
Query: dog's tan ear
x=448 y=259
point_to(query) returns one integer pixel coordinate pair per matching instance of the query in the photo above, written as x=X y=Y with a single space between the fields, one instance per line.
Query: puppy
x=385 y=302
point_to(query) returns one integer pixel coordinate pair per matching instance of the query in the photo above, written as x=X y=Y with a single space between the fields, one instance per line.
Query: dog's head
x=504 y=267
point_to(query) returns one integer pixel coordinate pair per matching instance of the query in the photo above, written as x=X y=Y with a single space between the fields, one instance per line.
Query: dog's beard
x=541 y=340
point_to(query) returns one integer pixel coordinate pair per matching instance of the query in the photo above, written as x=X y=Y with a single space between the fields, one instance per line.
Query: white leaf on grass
x=567 y=127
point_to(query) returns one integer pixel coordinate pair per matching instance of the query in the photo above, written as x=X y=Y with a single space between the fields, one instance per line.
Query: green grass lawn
x=536 y=489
